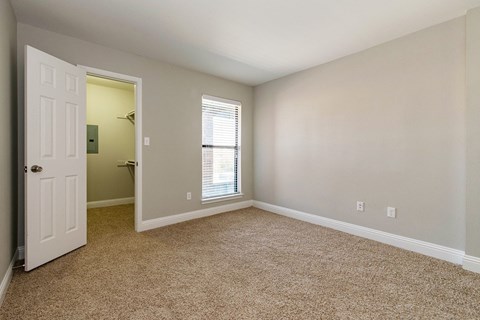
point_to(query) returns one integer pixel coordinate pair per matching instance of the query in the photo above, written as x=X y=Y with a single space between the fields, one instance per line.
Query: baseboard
x=21 y=252
x=422 y=247
x=110 y=202
x=165 y=221
x=471 y=263
x=7 y=278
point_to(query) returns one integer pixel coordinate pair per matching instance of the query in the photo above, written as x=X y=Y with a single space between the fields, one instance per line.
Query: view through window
x=220 y=147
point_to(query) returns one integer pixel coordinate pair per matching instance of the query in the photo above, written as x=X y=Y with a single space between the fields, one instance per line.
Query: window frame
x=238 y=159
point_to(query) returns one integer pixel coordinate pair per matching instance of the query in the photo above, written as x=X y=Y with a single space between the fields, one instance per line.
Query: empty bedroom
x=240 y=159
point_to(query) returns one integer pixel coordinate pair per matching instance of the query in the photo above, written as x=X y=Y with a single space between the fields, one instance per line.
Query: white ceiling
x=249 y=41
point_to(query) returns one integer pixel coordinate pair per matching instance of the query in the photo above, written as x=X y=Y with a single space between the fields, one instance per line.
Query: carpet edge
x=426 y=248
x=110 y=202
x=182 y=217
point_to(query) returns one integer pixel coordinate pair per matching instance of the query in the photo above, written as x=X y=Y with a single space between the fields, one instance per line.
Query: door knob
x=36 y=168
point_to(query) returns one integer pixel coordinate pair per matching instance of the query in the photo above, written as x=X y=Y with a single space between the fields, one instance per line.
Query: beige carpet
x=246 y=264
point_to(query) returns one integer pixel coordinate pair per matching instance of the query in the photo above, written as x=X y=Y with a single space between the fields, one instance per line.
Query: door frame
x=138 y=131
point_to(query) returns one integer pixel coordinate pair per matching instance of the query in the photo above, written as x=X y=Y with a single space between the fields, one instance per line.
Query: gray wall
x=385 y=126
x=8 y=95
x=472 y=247
x=105 y=102
x=171 y=118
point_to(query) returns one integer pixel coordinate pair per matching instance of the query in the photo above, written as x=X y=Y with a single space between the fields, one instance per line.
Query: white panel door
x=55 y=158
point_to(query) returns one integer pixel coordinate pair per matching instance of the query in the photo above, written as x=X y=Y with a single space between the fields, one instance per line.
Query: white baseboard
x=110 y=202
x=21 y=253
x=165 y=221
x=426 y=248
x=7 y=278
x=471 y=263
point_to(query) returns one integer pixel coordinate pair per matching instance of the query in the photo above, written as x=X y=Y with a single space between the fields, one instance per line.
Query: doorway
x=114 y=108
x=110 y=142
x=55 y=154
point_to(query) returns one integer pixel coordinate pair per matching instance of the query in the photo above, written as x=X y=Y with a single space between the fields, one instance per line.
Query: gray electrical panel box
x=92 y=138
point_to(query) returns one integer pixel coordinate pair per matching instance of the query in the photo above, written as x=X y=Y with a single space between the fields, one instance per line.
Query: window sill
x=222 y=198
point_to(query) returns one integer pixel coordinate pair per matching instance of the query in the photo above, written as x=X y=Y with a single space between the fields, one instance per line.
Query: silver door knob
x=36 y=168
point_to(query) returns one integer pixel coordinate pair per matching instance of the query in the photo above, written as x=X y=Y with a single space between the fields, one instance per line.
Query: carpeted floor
x=246 y=264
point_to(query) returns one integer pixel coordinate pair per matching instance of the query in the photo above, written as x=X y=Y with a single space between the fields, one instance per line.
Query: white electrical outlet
x=189 y=196
x=391 y=212
x=360 y=206
x=146 y=141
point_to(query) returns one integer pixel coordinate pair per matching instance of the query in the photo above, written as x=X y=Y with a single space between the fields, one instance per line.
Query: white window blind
x=220 y=147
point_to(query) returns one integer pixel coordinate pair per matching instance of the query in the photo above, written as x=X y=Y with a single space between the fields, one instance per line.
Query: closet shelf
x=126 y=163
x=130 y=116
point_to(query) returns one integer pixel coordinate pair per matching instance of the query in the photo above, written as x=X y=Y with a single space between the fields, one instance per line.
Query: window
x=220 y=147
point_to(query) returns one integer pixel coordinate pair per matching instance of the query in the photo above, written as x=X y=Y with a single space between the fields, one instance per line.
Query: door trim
x=138 y=132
